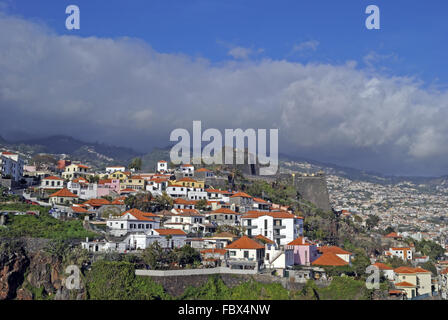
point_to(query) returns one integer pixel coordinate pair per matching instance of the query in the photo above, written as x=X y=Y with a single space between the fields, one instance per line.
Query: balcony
x=250 y=227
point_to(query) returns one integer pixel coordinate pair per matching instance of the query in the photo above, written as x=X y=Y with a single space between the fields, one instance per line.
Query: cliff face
x=313 y=189
x=27 y=272
x=12 y=269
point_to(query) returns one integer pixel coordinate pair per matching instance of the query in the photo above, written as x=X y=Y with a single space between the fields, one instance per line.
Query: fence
x=192 y=272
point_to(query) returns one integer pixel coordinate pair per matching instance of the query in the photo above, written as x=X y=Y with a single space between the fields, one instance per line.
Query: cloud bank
x=122 y=91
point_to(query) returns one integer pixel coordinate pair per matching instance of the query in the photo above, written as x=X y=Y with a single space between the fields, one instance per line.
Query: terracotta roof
x=217 y=191
x=166 y=232
x=184 y=202
x=81 y=180
x=259 y=200
x=187 y=165
x=188 y=212
x=300 y=241
x=393 y=235
x=220 y=251
x=245 y=243
x=399 y=249
x=264 y=239
x=410 y=270
x=275 y=214
x=53 y=178
x=333 y=249
x=104 y=181
x=224 y=211
x=382 y=266
x=404 y=284
x=65 y=193
x=203 y=170
x=140 y=215
x=224 y=235
x=97 y=202
x=329 y=259
x=444 y=271
x=241 y=195
x=79 y=210
x=162 y=161
x=187 y=179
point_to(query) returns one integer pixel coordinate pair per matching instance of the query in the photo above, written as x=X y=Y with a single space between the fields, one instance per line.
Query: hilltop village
x=226 y=228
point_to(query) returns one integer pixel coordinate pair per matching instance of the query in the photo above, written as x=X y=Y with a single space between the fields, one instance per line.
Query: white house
x=11 y=164
x=386 y=270
x=245 y=253
x=52 y=182
x=156 y=185
x=187 y=170
x=169 y=238
x=177 y=191
x=110 y=170
x=133 y=221
x=280 y=226
x=188 y=221
x=402 y=253
x=162 y=166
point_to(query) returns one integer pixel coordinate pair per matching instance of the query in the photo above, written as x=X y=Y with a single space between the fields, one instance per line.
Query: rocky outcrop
x=28 y=272
x=13 y=265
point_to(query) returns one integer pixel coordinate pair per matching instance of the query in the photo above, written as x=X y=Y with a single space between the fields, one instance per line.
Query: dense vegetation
x=117 y=281
x=43 y=226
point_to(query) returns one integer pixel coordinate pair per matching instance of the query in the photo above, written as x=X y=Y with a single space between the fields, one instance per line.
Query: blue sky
x=339 y=93
x=412 y=41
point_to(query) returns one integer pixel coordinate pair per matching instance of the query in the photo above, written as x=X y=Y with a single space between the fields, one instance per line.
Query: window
x=246 y=254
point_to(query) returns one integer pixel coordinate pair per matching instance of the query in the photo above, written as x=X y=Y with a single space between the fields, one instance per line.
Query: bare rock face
x=12 y=269
x=21 y=268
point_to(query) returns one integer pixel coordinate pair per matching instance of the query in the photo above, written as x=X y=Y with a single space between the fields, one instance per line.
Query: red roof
x=265 y=239
x=300 y=241
x=65 y=193
x=219 y=251
x=224 y=211
x=275 y=214
x=241 y=195
x=410 y=270
x=140 y=215
x=382 y=266
x=53 y=178
x=97 y=202
x=404 y=284
x=245 y=243
x=79 y=210
x=184 y=202
x=329 y=259
x=333 y=249
x=166 y=232
x=393 y=235
x=203 y=170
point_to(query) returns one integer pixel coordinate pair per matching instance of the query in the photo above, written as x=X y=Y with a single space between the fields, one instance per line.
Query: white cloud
x=124 y=92
x=310 y=45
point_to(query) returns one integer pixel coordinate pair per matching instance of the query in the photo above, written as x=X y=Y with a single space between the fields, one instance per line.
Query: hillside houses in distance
x=230 y=228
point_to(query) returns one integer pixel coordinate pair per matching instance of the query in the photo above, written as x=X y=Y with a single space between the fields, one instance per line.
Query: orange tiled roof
x=410 y=270
x=224 y=211
x=393 y=235
x=253 y=214
x=79 y=210
x=166 y=232
x=300 y=241
x=333 y=249
x=53 y=178
x=65 y=193
x=81 y=180
x=382 y=266
x=187 y=179
x=259 y=200
x=329 y=259
x=220 y=251
x=404 y=284
x=140 y=215
x=184 y=202
x=203 y=170
x=444 y=271
x=245 y=243
x=265 y=239
x=241 y=195
x=97 y=202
